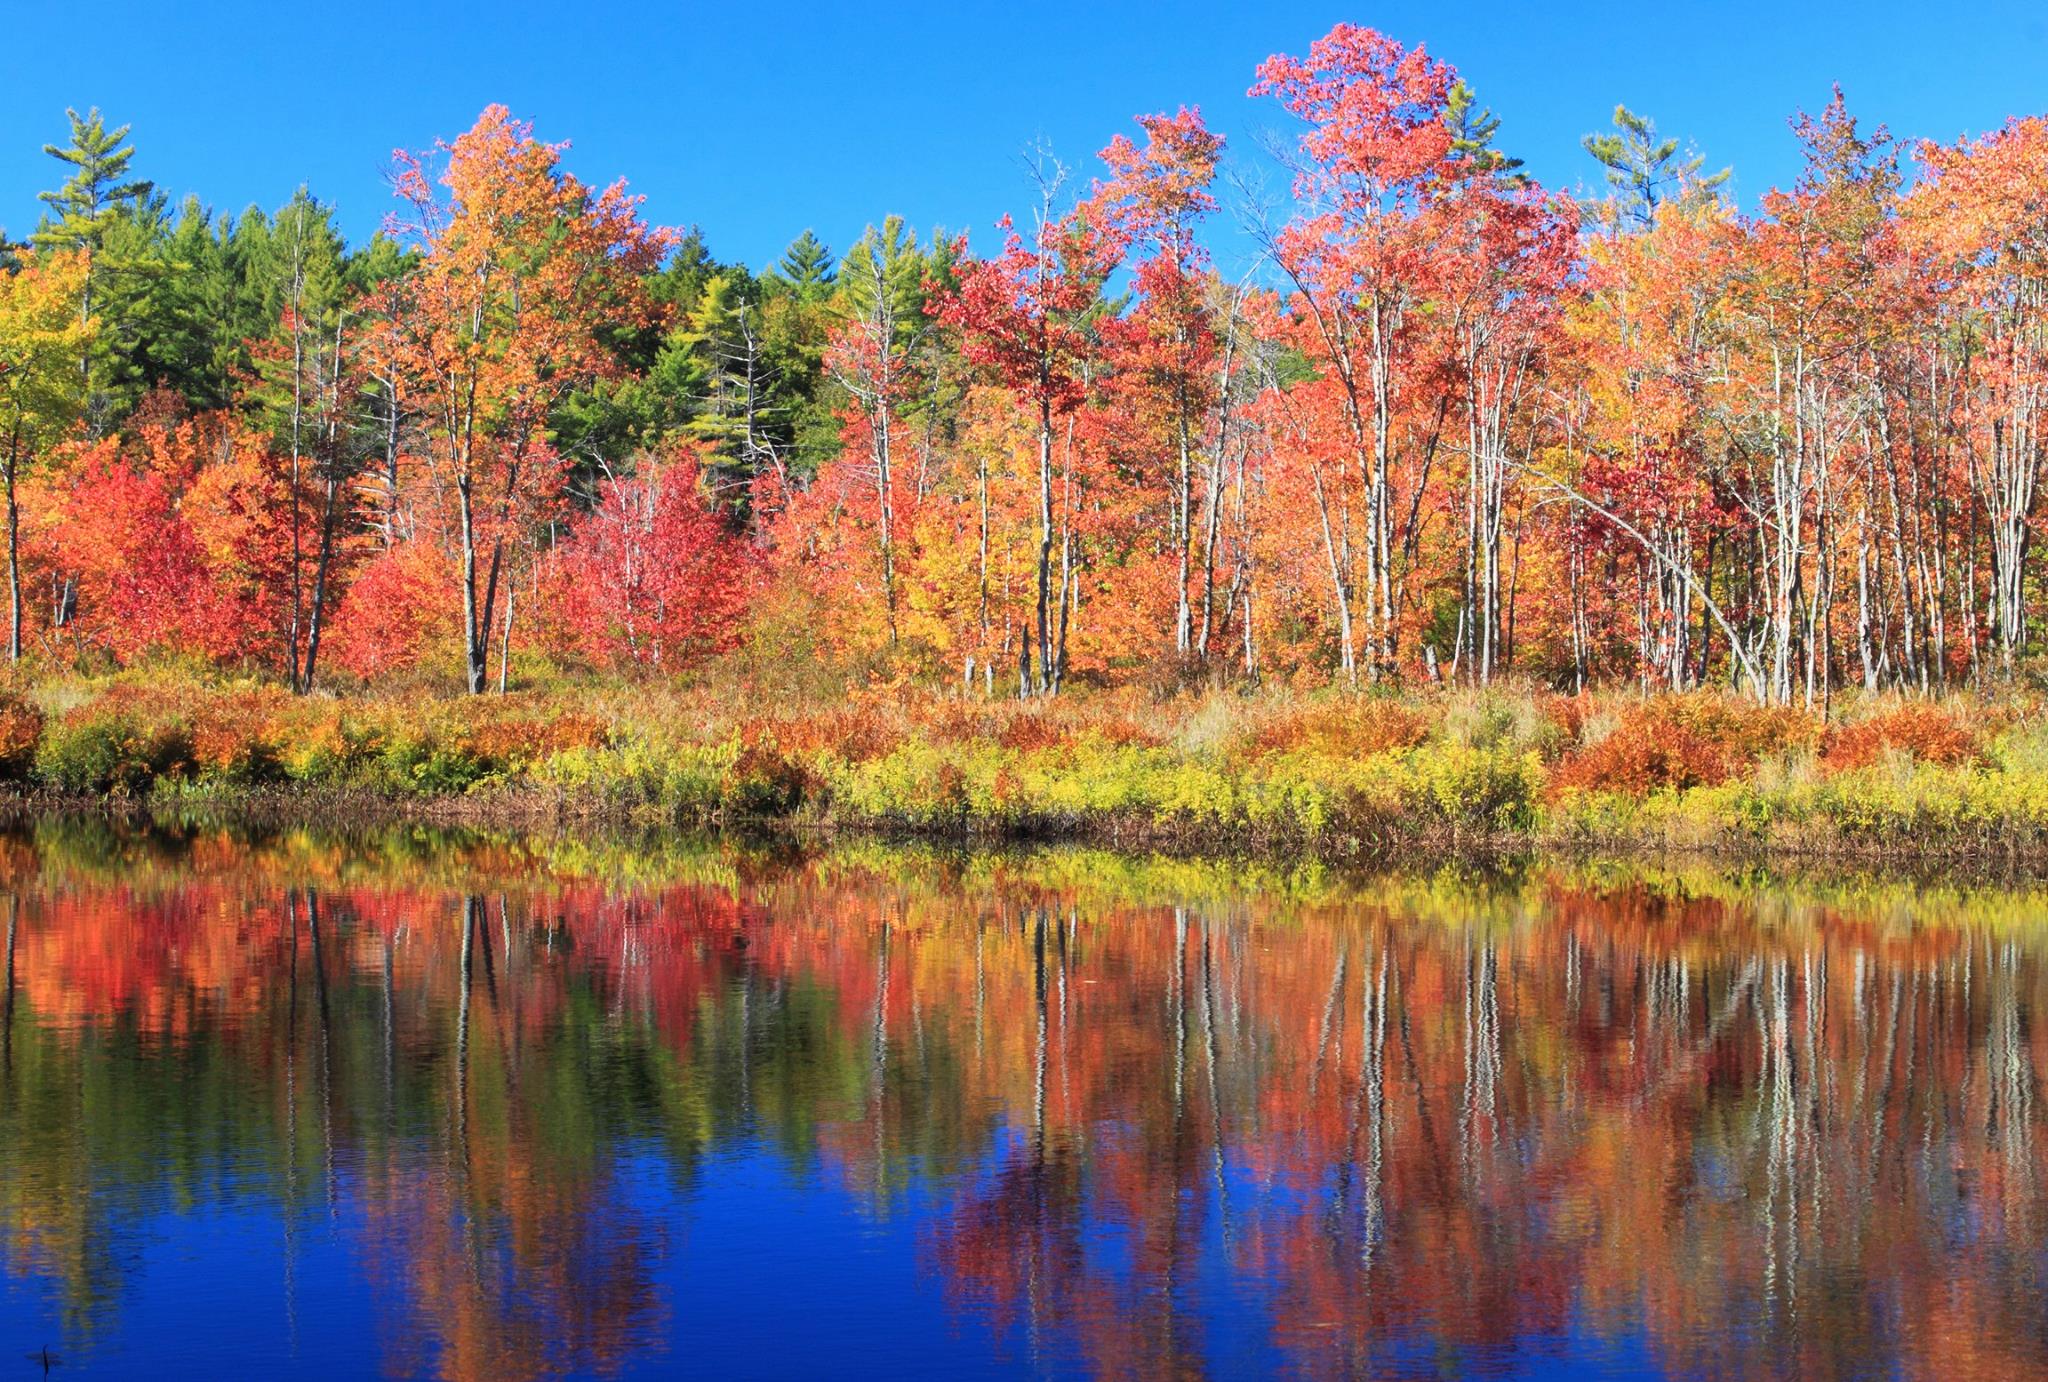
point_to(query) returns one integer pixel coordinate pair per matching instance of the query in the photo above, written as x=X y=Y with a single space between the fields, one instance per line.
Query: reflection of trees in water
x=1409 y=1125
x=479 y=1114
x=504 y=1242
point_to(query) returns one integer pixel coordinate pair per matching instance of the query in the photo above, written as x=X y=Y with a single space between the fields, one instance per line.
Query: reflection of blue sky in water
x=1622 y=1132
x=770 y=1273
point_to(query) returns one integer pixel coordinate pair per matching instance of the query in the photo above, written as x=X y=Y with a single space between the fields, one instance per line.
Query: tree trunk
x=477 y=607
x=505 y=642
x=1045 y=648
x=316 y=619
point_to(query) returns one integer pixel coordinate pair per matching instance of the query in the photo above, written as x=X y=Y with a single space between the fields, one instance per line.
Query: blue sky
x=756 y=121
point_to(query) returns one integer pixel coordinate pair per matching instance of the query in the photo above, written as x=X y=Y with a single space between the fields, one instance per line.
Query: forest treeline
x=1448 y=425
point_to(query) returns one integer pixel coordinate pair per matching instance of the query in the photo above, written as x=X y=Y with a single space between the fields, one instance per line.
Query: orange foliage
x=1932 y=734
x=1681 y=741
x=21 y=726
x=1341 y=728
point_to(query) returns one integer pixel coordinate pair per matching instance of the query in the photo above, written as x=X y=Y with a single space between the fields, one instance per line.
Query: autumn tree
x=1981 y=212
x=129 y=574
x=1508 y=252
x=651 y=578
x=389 y=412
x=1371 y=166
x=870 y=356
x=1172 y=343
x=308 y=378
x=42 y=389
x=523 y=270
x=1026 y=316
x=1434 y=429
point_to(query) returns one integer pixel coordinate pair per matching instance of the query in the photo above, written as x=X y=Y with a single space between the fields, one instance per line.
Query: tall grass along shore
x=1332 y=775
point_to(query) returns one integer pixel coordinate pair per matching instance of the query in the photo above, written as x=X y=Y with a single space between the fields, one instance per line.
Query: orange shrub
x=21 y=728
x=855 y=733
x=1929 y=733
x=235 y=734
x=1637 y=763
x=952 y=721
x=1344 y=728
x=521 y=739
x=1570 y=713
x=1033 y=729
x=1128 y=732
x=1696 y=740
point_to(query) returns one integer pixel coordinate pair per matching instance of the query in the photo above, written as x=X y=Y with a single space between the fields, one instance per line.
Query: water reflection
x=503 y=1109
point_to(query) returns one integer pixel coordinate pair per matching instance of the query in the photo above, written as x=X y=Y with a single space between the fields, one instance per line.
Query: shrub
x=429 y=766
x=1497 y=719
x=93 y=751
x=1357 y=727
x=234 y=741
x=515 y=742
x=1931 y=734
x=1697 y=740
x=329 y=748
x=687 y=780
x=853 y=733
x=21 y=729
x=1572 y=714
x=1635 y=762
x=1485 y=790
x=763 y=782
x=1036 y=728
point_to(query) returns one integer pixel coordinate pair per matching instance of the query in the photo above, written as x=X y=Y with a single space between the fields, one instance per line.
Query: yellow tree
x=42 y=390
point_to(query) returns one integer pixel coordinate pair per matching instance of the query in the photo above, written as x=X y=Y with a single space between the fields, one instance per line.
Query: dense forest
x=1448 y=425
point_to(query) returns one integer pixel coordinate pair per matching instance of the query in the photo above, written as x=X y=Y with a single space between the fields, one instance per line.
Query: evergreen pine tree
x=1644 y=172
x=98 y=209
x=806 y=266
x=1473 y=127
x=98 y=189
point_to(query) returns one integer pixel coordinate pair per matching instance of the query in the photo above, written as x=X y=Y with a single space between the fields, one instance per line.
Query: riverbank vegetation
x=1464 y=509
x=1334 y=773
x=620 y=863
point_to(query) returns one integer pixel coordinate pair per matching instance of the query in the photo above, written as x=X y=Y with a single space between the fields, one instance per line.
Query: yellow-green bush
x=112 y=753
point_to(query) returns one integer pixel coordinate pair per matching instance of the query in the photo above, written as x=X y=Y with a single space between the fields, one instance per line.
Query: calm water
x=418 y=1106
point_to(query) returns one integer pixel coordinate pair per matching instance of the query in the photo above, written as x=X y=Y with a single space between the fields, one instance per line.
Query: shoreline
x=1367 y=779
x=528 y=810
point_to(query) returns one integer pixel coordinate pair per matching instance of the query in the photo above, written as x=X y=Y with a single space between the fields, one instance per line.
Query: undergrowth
x=1322 y=773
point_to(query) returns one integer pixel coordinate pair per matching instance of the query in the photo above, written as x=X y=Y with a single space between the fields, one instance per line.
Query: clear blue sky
x=757 y=120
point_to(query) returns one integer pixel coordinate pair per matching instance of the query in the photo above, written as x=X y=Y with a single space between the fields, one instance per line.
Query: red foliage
x=21 y=727
x=651 y=578
x=1020 y=313
x=127 y=574
x=397 y=612
x=1375 y=111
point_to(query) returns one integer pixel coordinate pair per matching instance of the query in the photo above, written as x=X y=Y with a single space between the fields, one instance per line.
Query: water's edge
x=1994 y=860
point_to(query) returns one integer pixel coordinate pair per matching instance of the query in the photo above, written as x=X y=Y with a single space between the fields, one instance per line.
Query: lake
x=419 y=1104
